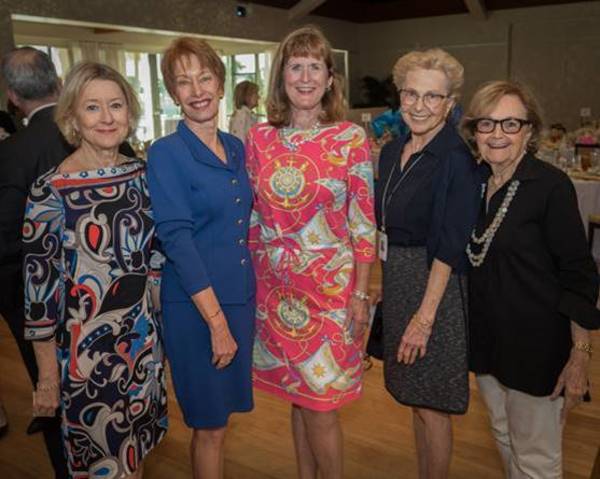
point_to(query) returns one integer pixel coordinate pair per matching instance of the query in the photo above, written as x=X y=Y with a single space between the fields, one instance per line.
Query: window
x=60 y=57
x=168 y=113
x=137 y=73
x=253 y=67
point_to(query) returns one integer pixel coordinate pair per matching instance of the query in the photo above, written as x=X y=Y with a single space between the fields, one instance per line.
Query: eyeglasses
x=432 y=100
x=510 y=126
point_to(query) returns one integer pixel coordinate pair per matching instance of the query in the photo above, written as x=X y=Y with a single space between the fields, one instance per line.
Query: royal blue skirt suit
x=202 y=211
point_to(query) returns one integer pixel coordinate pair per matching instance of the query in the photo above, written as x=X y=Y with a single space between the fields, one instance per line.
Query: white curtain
x=110 y=53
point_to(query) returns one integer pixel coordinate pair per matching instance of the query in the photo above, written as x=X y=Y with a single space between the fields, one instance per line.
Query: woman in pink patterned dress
x=312 y=237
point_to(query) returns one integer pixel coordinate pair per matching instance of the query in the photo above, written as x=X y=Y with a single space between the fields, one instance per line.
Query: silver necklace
x=488 y=235
x=293 y=138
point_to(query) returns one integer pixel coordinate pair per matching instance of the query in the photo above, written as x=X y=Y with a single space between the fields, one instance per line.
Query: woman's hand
x=47 y=393
x=357 y=317
x=46 y=397
x=223 y=345
x=574 y=380
x=414 y=340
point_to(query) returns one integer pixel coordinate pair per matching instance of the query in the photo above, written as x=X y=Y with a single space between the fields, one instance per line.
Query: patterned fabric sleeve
x=42 y=250
x=361 y=215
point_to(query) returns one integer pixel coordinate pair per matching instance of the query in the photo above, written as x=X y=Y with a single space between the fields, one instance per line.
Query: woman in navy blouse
x=202 y=201
x=426 y=198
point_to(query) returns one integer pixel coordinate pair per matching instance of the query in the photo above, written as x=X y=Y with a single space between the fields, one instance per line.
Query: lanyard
x=385 y=200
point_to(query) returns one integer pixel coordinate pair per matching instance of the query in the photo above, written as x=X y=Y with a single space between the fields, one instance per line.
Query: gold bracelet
x=583 y=347
x=214 y=315
x=423 y=325
x=46 y=387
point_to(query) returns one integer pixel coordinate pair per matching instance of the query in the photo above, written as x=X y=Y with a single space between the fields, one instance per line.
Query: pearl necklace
x=293 y=138
x=488 y=235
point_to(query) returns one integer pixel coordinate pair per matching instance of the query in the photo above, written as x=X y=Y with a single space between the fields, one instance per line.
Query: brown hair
x=185 y=47
x=242 y=93
x=307 y=41
x=485 y=100
x=432 y=59
x=77 y=79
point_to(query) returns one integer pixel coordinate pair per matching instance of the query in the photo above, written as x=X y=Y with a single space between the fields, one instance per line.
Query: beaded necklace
x=293 y=138
x=488 y=235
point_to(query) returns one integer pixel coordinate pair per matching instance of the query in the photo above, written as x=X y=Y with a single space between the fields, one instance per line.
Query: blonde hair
x=185 y=47
x=242 y=93
x=432 y=59
x=485 y=100
x=307 y=41
x=77 y=79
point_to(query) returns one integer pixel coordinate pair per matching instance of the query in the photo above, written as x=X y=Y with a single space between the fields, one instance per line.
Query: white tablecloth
x=588 y=197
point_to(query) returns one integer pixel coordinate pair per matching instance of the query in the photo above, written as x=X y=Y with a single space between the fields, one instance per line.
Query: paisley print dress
x=89 y=267
x=312 y=220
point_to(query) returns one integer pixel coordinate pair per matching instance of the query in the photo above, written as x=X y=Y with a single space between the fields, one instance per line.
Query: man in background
x=33 y=86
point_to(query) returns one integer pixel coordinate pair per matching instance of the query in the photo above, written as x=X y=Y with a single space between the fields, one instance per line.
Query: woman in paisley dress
x=312 y=237
x=90 y=270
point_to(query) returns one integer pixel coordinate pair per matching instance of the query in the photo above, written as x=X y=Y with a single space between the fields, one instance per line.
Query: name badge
x=382 y=245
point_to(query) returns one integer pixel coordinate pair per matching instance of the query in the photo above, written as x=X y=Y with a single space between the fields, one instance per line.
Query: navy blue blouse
x=436 y=204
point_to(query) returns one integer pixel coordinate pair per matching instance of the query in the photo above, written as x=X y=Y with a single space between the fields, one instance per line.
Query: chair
x=593 y=224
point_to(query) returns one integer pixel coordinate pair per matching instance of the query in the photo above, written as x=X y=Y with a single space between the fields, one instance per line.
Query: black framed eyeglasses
x=431 y=99
x=510 y=126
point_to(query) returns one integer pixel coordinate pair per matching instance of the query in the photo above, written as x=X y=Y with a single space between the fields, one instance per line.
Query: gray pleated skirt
x=440 y=379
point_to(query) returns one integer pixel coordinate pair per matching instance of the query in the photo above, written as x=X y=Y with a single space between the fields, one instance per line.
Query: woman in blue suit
x=202 y=202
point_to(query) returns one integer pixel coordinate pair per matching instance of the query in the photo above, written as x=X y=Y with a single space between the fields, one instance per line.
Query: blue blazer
x=202 y=212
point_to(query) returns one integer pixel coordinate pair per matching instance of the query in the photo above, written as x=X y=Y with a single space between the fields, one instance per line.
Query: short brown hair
x=243 y=91
x=187 y=47
x=485 y=100
x=432 y=59
x=307 y=41
x=77 y=79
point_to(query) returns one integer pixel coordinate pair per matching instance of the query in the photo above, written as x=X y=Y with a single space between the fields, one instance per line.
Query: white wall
x=554 y=49
x=206 y=17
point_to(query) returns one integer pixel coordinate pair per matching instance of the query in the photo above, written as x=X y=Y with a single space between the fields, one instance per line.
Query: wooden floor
x=377 y=435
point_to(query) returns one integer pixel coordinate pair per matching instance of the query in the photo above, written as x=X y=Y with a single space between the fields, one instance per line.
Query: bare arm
x=362 y=271
x=436 y=286
x=223 y=344
x=574 y=378
x=357 y=314
x=414 y=340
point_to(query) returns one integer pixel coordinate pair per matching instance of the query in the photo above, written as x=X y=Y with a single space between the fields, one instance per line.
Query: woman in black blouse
x=427 y=197
x=534 y=285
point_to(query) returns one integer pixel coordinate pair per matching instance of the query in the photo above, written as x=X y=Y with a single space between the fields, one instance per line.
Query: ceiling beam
x=303 y=8
x=476 y=9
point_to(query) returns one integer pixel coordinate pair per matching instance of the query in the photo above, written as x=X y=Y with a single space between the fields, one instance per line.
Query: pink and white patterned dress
x=312 y=220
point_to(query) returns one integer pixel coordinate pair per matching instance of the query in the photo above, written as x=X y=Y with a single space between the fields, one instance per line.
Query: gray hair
x=29 y=73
